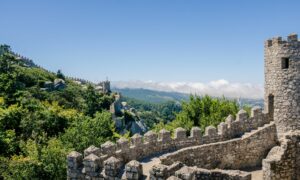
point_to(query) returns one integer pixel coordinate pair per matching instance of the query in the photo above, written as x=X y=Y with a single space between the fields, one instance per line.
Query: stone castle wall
x=229 y=146
x=189 y=173
x=139 y=147
x=245 y=152
x=282 y=81
x=283 y=162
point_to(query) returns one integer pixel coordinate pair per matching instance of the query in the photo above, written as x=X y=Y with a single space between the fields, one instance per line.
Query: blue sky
x=158 y=40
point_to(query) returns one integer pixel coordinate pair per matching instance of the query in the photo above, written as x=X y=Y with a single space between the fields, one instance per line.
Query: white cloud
x=214 y=88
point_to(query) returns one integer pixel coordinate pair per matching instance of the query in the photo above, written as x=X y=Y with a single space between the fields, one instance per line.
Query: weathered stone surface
x=282 y=161
x=112 y=167
x=74 y=160
x=282 y=82
x=133 y=170
x=191 y=173
x=92 y=150
x=108 y=148
x=239 y=153
x=158 y=172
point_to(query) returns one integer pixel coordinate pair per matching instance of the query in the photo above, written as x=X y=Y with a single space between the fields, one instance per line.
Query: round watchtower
x=282 y=82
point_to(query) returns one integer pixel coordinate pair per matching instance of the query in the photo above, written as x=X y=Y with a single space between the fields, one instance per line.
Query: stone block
x=123 y=144
x=159 y=171
x=180 y=134
x=112 y=167
x=92 y=165
x=186 y=173
x=210 y=131
x=74 y=160
x=108 y=148
x=92 y=150
x=223 y=130
x=150 y=137
x=133 y=170
x=165 y=136
x=137 y=140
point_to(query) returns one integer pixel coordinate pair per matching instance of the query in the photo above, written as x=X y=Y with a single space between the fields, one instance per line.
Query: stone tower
x=282 y=82
x=104 y=87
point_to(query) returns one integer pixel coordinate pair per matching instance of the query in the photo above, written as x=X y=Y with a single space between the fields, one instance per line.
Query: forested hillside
x=44 y=116
x=153 y=96
x=40 y=124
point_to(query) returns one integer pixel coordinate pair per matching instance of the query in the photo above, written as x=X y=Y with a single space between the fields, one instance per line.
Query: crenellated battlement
x=139 y=147
x=291 y=39
x=237 y=143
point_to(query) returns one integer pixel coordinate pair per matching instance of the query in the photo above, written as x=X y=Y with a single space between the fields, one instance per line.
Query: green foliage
x=247 y=108
x=86 y=131
x=46 y=117
x=60 y=75
x=20 y=167
x=8 y=142
x=202 y=112
x=154 y=113
x=39 y=161
x=40 y=125
x=95 y=101
x=4 y=49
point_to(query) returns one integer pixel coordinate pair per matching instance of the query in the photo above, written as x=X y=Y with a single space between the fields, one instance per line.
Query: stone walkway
x=148 y=163
x=257 y=174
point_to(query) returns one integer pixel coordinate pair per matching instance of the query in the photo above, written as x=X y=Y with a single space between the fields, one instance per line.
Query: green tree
x=86 y=131
x=202 y=112
x=4 y=49
x=8 y=143
x=60 y=75
x=92 y=101
x=41 y=159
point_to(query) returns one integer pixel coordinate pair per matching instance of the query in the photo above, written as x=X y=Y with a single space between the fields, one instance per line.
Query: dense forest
x=40 y=125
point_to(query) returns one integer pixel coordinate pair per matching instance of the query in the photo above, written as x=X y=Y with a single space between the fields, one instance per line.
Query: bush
x=202 y=112
x=86 y=131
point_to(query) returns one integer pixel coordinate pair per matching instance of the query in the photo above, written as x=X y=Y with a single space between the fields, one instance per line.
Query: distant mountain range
x=163 y=96
x=152 y=95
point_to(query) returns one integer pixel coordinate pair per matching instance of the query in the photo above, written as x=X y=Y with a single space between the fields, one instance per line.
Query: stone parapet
x=245 y=152
x=291 y=39
x=283 y=162
x=191 y=173
x=139 y=147
x=151 y=143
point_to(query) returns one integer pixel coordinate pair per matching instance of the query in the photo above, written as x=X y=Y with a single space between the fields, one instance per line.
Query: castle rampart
x=234 y=144
x=139 y=147
x=282 y=81
x=283 y=162
x=245 y=152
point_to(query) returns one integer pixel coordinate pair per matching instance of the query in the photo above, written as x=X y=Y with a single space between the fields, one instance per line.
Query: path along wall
x=283 y=162
x=176 y=172
x=139 y=147
x=245 y=152
x=190 y=173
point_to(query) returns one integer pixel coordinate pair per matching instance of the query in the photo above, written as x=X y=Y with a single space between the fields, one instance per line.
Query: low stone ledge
x=283 y=162
x=133 y=170
x=153 y=143
x=238 y=153
x=191 y=173
x=112 y=167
